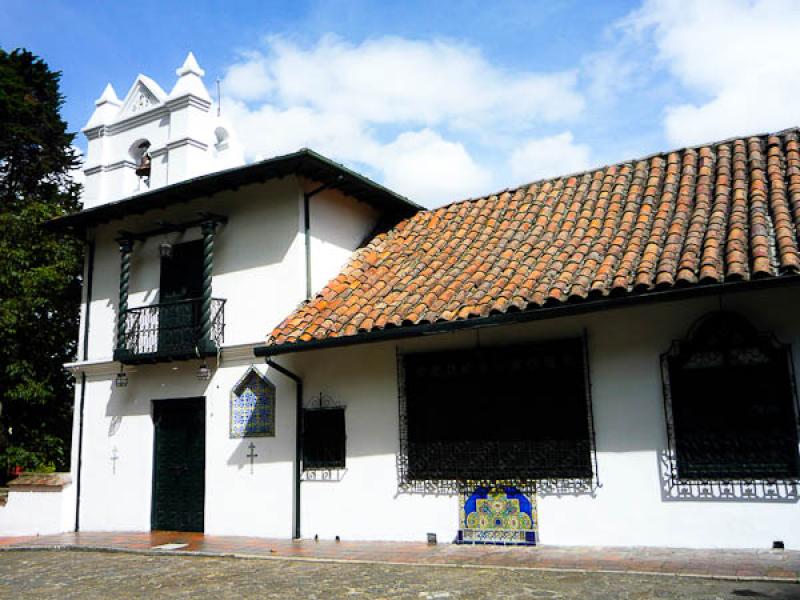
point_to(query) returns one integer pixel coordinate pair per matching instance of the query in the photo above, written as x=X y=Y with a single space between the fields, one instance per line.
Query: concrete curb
x=244 y=556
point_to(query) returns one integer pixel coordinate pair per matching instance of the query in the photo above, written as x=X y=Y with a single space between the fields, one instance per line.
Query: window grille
x=513 y=415
x=324 y=438
x=730 y=404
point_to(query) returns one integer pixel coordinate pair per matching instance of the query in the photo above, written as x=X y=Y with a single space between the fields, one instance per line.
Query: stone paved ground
x=753 y=563
x=82 y=574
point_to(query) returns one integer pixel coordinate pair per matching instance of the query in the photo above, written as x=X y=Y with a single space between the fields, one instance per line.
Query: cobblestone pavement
x=754 y=563
x=84 y=574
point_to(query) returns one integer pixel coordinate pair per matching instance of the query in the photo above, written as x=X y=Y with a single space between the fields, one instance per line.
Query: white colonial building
x=598 y=359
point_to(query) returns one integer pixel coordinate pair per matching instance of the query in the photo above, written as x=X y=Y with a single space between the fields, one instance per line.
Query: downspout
x=307 y=229
x=89 y=278
x=298 y=437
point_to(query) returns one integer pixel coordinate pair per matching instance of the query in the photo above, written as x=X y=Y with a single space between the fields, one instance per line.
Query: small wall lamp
x=203 y=372
x=121 y=380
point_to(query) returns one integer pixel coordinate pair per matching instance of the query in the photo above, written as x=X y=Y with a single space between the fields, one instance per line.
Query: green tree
x=39 y=271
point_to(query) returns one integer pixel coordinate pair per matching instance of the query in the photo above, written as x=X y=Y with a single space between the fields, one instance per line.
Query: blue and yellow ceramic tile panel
x=253 y=406
x=498 y=515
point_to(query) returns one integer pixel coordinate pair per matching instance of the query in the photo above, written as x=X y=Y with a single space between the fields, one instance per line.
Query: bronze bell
x=143 y=168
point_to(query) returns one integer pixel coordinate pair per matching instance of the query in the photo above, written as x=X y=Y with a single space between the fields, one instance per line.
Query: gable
x=144 y=95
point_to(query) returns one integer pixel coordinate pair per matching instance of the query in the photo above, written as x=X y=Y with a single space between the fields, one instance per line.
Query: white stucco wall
x=629 y=508
x=38 y=511
x=119 y=497
x=337 y=221
x=259 y=268
x=181 y=127
x=259 y=256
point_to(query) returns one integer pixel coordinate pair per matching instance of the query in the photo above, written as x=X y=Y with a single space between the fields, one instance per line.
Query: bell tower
x=152 y=139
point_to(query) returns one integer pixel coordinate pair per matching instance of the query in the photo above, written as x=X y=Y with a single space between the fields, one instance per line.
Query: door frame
x=202 y=401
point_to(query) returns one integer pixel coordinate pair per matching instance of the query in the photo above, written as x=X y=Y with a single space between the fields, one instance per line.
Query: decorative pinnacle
x=190 y=67
x=109 y=96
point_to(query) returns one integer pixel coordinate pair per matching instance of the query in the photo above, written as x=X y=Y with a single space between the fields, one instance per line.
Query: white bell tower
x=151 y=138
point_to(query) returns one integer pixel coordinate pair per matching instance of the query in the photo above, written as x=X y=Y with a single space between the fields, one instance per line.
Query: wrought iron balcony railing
x=169 y=331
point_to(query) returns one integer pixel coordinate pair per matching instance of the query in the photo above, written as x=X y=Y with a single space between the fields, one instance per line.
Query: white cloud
x=422 y=165
x=395 y=105
x=739 y=56
x=248 y=80
x=267 y=130
x=548 y=157
x=391 y=80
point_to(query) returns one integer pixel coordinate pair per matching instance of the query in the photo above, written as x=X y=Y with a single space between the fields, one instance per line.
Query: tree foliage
x=39 y=271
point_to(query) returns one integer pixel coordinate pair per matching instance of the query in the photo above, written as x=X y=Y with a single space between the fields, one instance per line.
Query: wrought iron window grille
x=686 y=466
x=538 y=481
x=324 y=440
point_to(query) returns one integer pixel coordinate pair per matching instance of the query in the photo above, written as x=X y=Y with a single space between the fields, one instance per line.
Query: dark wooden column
x=208 y=229
x=125 y=248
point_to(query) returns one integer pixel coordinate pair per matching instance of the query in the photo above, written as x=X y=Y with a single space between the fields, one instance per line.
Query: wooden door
x=179 y=465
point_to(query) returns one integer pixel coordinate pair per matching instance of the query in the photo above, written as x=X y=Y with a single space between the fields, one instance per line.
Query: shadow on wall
x=247 y=241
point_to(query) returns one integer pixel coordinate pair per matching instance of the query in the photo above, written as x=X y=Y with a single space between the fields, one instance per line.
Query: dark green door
x=181 y=287
x=179 y=471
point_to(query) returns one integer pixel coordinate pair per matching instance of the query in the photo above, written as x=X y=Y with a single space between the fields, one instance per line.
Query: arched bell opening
x=139 y=152
x=221 y=137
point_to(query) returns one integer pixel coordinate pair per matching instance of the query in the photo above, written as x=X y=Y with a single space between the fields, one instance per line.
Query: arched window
x=253 y=406
x=221 y=138
x=730 y=403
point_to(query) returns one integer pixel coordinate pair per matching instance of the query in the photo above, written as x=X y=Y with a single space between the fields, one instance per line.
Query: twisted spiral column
x=207 y=228
x=125 y=248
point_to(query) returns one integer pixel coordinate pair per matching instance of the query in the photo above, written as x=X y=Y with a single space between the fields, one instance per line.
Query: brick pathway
x=783 y=565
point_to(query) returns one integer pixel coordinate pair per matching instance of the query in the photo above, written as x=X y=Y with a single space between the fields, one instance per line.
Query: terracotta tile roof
x=728 y=211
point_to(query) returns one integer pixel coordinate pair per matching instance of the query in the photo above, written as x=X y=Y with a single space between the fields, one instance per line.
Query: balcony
x=169 y=331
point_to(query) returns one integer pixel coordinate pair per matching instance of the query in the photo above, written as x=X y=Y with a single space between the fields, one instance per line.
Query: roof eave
x=304 y=162
x=536 y=314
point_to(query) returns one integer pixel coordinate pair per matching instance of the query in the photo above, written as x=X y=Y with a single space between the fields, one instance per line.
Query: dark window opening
x=324 y=439
x=499 y=413
x=182 y=272
x=181 y=287
x=730 y=403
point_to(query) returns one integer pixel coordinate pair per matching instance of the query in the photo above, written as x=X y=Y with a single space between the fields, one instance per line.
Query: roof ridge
x=712 y=144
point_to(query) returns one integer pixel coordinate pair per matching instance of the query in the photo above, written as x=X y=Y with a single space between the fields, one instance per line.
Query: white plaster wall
x=365 y=503
x=629 y=508
x=237 y=502
x=258 y=262
x=38 y=512
x=259 y=256
x=259 y=268
x=167 y=127
x=339 y=224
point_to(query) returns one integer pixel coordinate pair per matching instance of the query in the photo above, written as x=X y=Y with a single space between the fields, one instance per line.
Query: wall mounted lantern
x=121 y=380
x=203 y=372
x=165 y=249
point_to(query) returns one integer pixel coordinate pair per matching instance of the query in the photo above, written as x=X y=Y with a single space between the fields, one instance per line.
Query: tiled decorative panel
x=498 y=515
x=253 y=406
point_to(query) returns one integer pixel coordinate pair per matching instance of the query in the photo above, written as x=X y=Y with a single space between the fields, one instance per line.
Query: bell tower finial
x=106 y=108
x=190 y=67
x=190 y=82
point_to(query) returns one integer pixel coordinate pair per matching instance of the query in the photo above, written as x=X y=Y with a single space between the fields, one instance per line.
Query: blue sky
x=443 y=100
